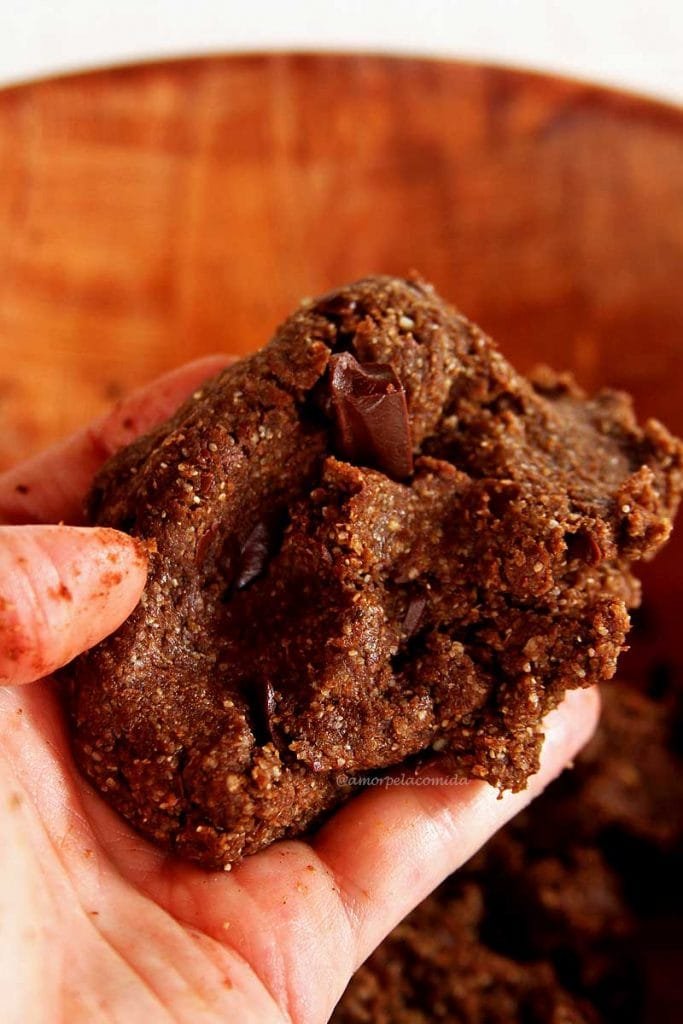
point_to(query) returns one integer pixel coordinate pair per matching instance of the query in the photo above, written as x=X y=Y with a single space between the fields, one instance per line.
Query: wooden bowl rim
x=624 y=101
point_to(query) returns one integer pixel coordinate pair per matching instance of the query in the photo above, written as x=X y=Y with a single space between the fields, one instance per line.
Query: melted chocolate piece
x=269 y=700
x=335 y=305
x=369 y=406
x=257 y=549
x=413 y=616
x=263 y=709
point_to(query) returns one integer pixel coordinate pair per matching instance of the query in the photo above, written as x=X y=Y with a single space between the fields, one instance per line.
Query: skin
x=98 y=925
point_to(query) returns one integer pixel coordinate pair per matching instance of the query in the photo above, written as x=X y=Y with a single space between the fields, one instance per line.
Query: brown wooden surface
x=150 y=214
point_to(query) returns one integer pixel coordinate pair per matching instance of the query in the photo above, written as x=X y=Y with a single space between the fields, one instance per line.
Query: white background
x=635 y=44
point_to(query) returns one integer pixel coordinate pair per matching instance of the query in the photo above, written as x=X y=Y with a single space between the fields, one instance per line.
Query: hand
x=96 y=924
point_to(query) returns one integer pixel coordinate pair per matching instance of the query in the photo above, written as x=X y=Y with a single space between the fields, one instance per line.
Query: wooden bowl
x=150 y=214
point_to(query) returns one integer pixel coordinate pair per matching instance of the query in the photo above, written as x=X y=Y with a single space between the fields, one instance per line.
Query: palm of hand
x=119 y=931
x=97 y=924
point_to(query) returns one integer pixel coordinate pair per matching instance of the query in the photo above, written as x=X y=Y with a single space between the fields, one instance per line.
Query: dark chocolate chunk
x=335 y=305
x=413 y=615
x=269 y=699
x=256 y=551
x=263 y=709
x=369 y=406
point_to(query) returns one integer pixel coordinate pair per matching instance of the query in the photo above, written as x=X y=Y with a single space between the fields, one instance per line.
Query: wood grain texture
x=153 y=213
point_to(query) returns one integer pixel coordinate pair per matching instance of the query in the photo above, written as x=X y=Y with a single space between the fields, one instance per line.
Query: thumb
x=62 y=589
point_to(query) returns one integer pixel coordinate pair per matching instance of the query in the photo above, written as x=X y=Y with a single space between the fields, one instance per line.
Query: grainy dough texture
x=371 y=541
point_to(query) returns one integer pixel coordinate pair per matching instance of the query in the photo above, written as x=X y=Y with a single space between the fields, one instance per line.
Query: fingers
x=51 y=486
x=391 y=847
x=62 y=589
x=380 y=855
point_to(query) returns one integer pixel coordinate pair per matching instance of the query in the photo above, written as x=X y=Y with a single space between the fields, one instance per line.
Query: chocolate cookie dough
x=437 y=966
x=371 y=541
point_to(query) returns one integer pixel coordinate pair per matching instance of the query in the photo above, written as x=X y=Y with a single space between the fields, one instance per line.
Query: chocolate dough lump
x=371 y=541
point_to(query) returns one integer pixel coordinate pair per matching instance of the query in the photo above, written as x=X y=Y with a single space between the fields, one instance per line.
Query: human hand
x=96 y=924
